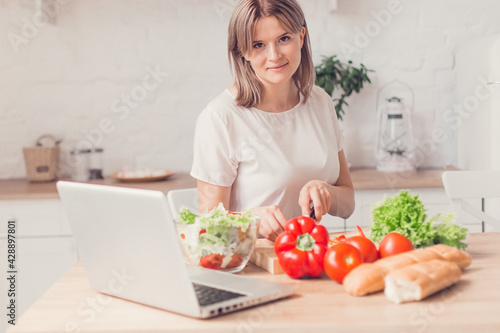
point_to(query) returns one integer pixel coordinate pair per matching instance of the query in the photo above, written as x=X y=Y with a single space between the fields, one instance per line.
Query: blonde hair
x=240 y=38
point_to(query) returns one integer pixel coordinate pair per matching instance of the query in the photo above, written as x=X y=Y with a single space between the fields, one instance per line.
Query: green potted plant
x=333 y=75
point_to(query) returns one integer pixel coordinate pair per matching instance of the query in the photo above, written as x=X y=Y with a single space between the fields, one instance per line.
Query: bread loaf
x=369 y=277
x=425 y=254
x=416 y=282
x=395 y=262
x=461 y=258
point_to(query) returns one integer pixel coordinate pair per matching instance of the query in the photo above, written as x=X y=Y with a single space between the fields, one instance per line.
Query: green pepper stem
x=305 y=242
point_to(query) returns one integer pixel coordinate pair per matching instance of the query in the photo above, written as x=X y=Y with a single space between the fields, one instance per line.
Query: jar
x=96 y=164
x=80 y=158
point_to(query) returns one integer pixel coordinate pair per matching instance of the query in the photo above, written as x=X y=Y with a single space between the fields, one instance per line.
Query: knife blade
x=312 y=213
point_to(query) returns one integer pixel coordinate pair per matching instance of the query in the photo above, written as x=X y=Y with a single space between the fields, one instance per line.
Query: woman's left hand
x=318 y=192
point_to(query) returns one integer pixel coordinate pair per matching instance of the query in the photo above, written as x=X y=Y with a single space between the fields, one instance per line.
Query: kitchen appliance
x=395 y=142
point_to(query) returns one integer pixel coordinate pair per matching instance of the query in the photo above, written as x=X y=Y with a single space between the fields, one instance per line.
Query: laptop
x=127 y=242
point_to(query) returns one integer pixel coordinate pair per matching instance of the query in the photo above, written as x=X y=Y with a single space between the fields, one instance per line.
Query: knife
x=312 y=213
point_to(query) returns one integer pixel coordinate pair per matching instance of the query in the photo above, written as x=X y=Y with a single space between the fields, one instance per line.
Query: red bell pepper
x=301 y=247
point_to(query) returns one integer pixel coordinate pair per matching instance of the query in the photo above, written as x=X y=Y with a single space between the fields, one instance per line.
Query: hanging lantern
x=395 y=143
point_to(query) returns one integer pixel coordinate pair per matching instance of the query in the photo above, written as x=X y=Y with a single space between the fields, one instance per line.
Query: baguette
x=461 y=258
x=370 y=278
x=396 y=261
x=416 y=282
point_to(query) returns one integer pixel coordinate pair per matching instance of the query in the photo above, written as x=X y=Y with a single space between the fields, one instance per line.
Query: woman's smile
x=275 y=55
x=277 y=68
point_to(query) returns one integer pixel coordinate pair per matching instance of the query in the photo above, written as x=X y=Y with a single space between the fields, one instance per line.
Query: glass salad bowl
x=217 y=239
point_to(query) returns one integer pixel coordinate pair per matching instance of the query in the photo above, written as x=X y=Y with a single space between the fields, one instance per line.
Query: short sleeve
x=338 y=133
x=213 y=160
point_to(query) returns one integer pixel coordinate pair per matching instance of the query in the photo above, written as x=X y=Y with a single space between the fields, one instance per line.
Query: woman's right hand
x=272 y=221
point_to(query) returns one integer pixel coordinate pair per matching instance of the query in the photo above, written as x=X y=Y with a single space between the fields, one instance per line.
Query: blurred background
x=131 y=76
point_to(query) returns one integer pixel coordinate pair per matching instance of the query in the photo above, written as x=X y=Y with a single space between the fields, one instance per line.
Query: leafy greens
x=405 y=213
x=218 y=224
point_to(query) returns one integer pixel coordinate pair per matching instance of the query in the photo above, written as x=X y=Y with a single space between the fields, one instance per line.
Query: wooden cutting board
x=263 y=255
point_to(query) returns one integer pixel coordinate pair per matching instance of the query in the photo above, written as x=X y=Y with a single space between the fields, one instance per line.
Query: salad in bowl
x=217 y=239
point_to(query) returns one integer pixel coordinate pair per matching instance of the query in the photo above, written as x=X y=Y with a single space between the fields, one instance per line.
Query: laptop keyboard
x=209 y=295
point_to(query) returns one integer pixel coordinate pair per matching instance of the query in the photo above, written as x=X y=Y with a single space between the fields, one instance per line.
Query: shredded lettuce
x=218 y=223
x=185 y=216
x=217 y=217
x=406 y=214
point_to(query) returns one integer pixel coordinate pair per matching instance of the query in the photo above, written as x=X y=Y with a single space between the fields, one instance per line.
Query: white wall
x=71 y=78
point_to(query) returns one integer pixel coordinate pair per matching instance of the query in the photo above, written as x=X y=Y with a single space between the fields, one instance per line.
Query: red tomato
x=236 y=261
x=213 y=261
x=336 y=240
x=394 y=243
x=367 y=248
x=340 y=259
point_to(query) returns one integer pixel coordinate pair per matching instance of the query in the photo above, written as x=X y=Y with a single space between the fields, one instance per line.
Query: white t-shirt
x=267 y=157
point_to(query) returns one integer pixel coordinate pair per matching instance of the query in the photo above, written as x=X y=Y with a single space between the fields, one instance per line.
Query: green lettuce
x=405 y=213
x=218 y=223
x=186 y=216
x=218 y=217
x=448 y=233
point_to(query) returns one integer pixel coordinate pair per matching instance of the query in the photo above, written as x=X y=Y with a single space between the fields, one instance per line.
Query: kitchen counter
x=318 y=305
x=23 y=189
x=363 y=179
x=371 y=179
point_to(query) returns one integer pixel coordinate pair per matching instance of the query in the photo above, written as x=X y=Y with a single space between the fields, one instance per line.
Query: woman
x=271 y=141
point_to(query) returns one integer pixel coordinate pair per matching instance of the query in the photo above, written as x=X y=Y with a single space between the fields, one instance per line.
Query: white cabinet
x=35 y=217
x=45 y=249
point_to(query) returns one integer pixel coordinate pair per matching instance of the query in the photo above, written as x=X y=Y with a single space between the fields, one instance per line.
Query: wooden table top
x=23 y=189
x=363 y=179
x=318 y=305
x=371 y=179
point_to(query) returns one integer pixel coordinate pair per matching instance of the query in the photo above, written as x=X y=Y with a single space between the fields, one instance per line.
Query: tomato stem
x=305 y=242
x=360 y=231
